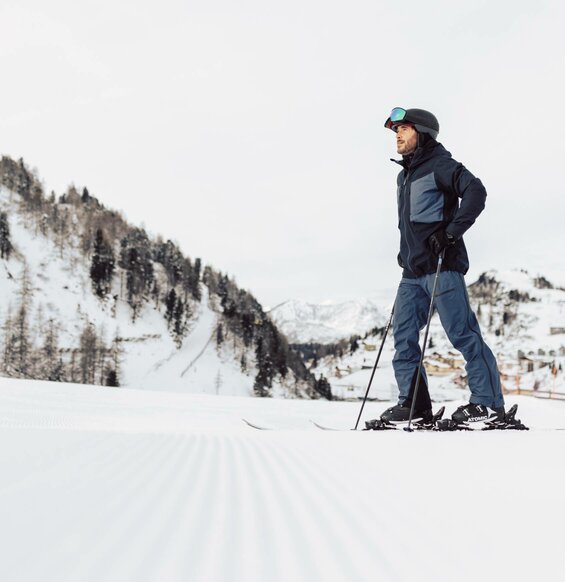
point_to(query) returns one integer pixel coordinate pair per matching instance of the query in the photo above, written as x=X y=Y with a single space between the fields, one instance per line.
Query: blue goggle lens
x=397 y=114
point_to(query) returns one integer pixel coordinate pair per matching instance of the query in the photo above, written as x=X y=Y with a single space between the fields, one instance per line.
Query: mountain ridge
x=91 y=298
x=327 y=322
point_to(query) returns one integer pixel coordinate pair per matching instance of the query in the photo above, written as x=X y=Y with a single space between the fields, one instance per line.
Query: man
x=438 y=201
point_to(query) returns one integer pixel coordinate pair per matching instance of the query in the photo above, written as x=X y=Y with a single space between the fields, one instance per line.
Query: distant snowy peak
x=327 y=322
x=516 y=281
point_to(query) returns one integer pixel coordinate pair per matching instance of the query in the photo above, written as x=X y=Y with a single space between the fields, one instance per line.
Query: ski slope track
x=101 y=484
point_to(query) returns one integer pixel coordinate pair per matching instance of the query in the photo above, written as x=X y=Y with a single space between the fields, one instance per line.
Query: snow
x=195 y=367
x=102 y=484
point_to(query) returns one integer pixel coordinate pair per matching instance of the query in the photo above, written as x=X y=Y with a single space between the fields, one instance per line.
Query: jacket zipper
x=405 y=203
x=404 y=217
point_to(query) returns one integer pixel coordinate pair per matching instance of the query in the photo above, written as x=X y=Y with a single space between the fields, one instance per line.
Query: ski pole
x=375 y=366
x=430 y=313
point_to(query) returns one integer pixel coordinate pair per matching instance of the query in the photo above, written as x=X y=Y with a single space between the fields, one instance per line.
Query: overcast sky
x=251 y=132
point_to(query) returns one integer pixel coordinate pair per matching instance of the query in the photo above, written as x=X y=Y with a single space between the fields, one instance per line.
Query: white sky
x=252 y=134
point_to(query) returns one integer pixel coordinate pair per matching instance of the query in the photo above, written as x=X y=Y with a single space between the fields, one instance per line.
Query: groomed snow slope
x=120 y=485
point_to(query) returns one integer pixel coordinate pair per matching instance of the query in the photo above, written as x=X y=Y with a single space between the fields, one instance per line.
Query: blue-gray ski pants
x=461 y=327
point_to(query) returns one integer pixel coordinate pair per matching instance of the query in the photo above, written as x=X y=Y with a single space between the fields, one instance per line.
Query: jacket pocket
x=426 y=201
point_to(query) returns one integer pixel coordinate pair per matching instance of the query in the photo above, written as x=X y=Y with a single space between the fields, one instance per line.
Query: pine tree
x=112 y=378
x=102 y=266
x=264 y=378
x=5 y=244
x=136 y=260
x=179 y=321
x=195 y=280
x=247 y=328
x=279 y=350
x=170 y=304
x=169 y=255
x=323 y=387
x=177 y=313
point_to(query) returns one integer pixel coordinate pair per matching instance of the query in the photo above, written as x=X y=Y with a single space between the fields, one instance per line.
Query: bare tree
x=88 y=354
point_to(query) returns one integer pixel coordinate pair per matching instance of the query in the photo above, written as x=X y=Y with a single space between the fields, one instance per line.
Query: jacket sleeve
x=454 y=178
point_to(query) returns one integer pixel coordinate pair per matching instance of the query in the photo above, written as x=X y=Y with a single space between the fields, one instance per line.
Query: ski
x=378 y=424
x=435 y=423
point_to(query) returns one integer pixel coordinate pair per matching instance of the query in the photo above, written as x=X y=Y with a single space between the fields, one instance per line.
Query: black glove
x=440 y=240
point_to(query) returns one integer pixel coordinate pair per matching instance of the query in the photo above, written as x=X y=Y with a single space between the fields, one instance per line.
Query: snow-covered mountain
x=328 y=322
x=88 y=298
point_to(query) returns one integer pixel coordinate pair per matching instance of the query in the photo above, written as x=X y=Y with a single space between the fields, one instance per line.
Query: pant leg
x=463 y=331
x=410 y=316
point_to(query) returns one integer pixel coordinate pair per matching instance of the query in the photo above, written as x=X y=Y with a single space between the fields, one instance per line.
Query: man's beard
x=404 y=150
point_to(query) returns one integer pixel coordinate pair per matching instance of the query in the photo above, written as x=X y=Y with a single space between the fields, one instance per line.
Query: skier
x=432 y=221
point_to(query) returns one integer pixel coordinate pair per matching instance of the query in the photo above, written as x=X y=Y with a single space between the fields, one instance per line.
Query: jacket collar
x=421 y=155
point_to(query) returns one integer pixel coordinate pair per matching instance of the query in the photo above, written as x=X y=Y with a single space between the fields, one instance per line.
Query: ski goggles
x=397 y=115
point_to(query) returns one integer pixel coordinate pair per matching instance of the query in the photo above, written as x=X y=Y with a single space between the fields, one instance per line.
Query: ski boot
x=400 y=414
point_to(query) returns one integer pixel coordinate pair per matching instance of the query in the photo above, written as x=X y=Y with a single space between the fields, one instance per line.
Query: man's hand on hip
x=440 y=240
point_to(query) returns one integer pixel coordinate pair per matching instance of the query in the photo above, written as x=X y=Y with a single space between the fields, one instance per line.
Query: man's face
x=406 y=139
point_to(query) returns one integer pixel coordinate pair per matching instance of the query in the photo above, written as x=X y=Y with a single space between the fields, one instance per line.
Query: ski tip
x=253 y=425
x=321 y=427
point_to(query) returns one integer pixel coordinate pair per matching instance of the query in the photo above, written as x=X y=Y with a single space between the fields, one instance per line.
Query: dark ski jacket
x=428 y=190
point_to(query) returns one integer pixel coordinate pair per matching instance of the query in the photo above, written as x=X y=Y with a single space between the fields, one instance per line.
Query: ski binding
x=510 y=422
